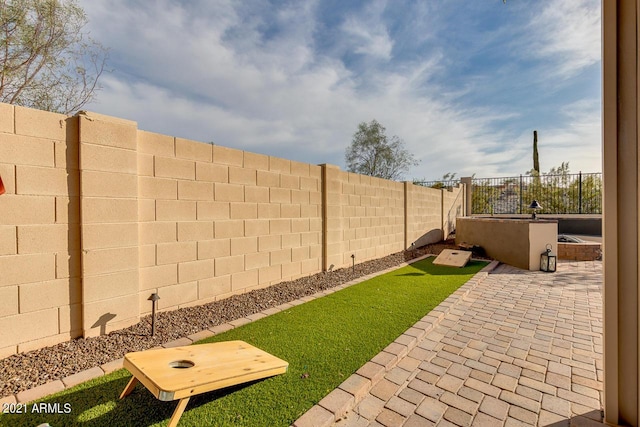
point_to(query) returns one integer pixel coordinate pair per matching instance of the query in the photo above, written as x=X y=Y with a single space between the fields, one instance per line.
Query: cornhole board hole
x=182 y=372
x=453 y=258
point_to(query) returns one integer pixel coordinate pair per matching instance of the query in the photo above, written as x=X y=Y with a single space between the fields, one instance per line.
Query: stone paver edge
x=337 y=403
x=62 y=384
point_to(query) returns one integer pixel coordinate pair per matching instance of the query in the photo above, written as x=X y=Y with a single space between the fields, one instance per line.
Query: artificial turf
x=324 y=340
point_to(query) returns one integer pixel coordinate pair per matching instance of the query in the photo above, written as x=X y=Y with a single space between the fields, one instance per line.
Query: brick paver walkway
x=521 y=348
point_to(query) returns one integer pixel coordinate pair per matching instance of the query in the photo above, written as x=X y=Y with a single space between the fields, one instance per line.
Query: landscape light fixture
x=534 y=206
x=153 y=298
x=353 y=263
x=548 y=260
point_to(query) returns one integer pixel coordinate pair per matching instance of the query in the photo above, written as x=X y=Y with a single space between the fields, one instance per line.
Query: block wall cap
x=329 y=166
x=91 y=116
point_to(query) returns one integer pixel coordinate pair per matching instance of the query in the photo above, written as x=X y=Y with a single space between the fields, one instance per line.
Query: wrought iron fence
x=439 y=183
x=579 y=193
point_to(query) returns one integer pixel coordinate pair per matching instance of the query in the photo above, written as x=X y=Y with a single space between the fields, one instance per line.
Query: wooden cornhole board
x=453 y=258
x=182 y=372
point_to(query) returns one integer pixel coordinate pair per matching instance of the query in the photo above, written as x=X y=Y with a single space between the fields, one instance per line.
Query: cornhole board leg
x=177 y=413
x=173 y=422
x=129 y=388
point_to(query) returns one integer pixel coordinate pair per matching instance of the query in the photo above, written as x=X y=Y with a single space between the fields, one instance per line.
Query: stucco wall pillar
x=468 y=188
x=620 y=38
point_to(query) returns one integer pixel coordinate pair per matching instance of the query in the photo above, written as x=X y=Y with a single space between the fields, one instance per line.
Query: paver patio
x=521 y=348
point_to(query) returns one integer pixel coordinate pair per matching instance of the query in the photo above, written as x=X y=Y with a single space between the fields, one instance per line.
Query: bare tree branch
x=46 y=61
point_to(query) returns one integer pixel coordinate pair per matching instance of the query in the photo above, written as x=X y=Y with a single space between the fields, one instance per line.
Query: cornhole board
x=453 y=258
x=182 y=372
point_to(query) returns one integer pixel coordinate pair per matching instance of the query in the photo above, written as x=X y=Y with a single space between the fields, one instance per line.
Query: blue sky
x=462 y=83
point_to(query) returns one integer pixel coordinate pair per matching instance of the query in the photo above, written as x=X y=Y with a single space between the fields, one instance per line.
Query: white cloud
x=567 y=32
x=367 y=34
x=255 y=80
x=579 y=142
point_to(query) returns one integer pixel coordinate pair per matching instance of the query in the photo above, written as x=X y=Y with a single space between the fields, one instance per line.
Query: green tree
x=555 y=190
x=46 y=61
x=591 y=192
x=372 y=153
x=484 y=197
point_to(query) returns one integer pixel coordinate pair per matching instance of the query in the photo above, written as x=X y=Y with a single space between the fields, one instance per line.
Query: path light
x=535 y=206
x=153 y=298
x=353 y=262
x=548 y=260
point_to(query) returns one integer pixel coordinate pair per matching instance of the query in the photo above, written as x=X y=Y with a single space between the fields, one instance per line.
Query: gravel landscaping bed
x=27 y=370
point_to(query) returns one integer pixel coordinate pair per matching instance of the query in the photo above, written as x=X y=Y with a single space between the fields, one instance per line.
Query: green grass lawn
x=324 y=341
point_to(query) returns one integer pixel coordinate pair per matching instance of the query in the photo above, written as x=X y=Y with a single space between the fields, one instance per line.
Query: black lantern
x=535 y=206
x=548 y=260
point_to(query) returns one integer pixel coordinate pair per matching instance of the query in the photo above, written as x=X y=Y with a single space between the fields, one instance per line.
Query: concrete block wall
x=98 y=215
x=424 y=215
x=216 y=221
x=40 y=286
x=365 y=217
x=109 y=223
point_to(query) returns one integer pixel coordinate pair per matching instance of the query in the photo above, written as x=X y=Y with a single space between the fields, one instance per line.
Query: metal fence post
x=580 y=192
x=520 y=204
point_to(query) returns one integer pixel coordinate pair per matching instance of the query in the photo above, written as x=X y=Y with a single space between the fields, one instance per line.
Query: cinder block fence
x=98 y=215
